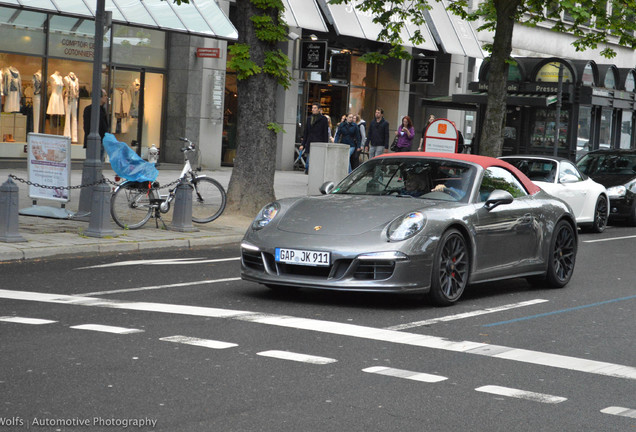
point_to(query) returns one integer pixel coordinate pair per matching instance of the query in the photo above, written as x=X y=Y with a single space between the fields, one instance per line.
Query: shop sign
x=340 y=66
x=313 y=55
x=441 y=136
x=483 y=86
x=217 y=92
x=208 y=52
x=71 y=46
x=423 y=70
x=49 y=165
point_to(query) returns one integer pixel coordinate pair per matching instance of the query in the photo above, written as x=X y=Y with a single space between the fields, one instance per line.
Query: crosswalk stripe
x=305 y=358
x=207 y=343
x=106 y=328
x=23 y=320
x=620 y=411
x=521 y=394
x=401 y=373
x=344 y=329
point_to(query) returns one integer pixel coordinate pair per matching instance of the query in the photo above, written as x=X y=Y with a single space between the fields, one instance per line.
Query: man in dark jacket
x=103 y=120
x=316 y=130
x=378 y=135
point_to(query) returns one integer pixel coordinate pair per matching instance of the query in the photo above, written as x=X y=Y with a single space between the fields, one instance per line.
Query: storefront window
x=626 y=130
x=362 y=74
x=22 y=31
x=550 y=73
x=583 y=135
x=605 y=135
x=544 y=128
x=139 y=46
x=588 y=75
x=72 y=38
x=610 y=79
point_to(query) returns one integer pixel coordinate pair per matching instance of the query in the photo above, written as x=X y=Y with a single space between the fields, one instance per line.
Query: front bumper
x=621 y=208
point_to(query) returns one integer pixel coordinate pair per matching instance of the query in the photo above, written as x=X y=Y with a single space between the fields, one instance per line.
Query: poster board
x=49 y=164
x=441 y=137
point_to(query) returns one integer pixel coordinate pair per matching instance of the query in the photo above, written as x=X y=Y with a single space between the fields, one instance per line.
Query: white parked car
x=561 y=178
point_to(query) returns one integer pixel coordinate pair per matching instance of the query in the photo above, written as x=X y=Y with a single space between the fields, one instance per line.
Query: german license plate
x=302 y=257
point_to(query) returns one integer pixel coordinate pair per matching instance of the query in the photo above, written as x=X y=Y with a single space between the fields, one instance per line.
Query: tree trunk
x=252 y=181
x=491 y=138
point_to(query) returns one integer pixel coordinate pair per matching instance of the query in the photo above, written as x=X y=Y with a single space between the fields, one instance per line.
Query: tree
x=592 y=22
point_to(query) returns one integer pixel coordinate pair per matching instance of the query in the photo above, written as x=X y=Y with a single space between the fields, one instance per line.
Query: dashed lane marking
x=106 y=329
x=401 y=373
x=343 y=329
x=23 y=320
x=305 y=358
x=207 y=343
x=521 y=394
x=466 y=315
x=620 y=411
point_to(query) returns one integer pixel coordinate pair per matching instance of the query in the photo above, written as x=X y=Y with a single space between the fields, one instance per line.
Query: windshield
x=535 y=169
x=411 y=177
x=608 y=163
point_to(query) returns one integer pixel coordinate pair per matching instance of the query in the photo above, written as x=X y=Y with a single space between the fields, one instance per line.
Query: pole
x=92 y=169
x=558 y=110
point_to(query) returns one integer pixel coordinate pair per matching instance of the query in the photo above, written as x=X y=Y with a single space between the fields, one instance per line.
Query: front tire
x=130 y=206
x=208 y=200
x=450 y=269
x=562 y=257
x=601 y=215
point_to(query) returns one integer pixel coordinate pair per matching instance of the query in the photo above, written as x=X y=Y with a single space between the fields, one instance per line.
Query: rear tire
x=601 y=215
x=562 y=257
x=208 y=200
x=451 y=265
x=130 y=206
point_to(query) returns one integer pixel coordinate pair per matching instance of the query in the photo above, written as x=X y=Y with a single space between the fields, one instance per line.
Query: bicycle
x=133 y=203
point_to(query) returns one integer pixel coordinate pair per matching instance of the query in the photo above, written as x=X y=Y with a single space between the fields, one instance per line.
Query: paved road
x=178 y=339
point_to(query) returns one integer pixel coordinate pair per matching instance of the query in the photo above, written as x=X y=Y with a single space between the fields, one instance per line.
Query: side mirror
x=327 y=187
x=568 y=178
x=498 y=197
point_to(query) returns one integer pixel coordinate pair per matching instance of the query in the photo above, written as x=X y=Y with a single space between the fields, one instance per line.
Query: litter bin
x=327 y=162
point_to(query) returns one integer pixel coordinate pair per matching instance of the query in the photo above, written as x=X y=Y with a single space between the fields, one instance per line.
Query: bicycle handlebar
x=190 y=146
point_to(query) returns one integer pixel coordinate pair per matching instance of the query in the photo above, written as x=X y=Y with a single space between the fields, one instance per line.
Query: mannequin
x=134 y=98
x=12 y=84
x=56 y=101
x=70 y=102
x=37 y=90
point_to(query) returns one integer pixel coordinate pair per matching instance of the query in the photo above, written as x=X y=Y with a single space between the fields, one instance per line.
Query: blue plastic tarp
x=126 y=163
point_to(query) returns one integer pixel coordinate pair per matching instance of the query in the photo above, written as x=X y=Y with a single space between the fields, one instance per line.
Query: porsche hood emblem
x=317 y=228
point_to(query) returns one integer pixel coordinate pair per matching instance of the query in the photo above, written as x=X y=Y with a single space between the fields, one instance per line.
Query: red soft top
x=483 y=161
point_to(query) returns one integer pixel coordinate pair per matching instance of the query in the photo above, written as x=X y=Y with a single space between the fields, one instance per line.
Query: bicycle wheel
x=130 y=206
x=208 y=200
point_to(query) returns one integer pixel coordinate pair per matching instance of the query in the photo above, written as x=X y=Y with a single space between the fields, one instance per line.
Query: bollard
x=9 y=198
x=182 y=215
x=99 y=223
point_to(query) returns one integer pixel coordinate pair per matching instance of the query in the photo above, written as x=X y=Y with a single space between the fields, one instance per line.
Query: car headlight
x=406 y=226
x=266 y=215
x=617 y=191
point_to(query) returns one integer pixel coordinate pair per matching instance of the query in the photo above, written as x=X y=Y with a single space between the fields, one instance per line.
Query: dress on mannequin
x=71 y=98
x=12 y=86
x=56 y=101
x=37 y=90
x=121 y=110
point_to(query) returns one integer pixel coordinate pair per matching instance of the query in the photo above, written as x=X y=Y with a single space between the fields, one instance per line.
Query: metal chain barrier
x=103 y=180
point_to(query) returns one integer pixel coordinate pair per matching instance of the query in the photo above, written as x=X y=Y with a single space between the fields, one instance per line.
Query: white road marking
x=305 y=358
x=106 y=329
x=156 y=287
x=609 y=239
x=620 y=411
x=401 y=373
x=343 y=329
x=22 y=320
x=207 y=343
x=466 y=315
x=169 y=261
x=521 y=394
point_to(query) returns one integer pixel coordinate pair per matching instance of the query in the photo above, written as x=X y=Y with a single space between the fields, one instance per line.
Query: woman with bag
x=349 y=133
x=405 y=135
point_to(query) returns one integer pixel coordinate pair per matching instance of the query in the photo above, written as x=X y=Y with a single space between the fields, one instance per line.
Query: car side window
x=568 y=169
x=500 y=178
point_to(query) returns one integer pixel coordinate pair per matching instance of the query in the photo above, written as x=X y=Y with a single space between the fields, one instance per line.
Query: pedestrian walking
x=362 y=125
x=349 y=133
x=316 y=130
x=377 y=141
x=103 y=121
x=431 y=119
x=405 y=135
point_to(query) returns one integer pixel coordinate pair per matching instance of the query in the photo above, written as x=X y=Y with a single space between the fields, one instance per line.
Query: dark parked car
x=414 y=222
x=616 y=170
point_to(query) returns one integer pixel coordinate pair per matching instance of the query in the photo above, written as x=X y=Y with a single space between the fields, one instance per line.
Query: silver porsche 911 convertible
x=414 y=222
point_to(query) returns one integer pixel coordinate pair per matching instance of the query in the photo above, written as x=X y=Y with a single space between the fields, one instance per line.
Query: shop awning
x=348 y=21
x=199 y=17
x=454 y=34
x=517 y=99
x=304 y=14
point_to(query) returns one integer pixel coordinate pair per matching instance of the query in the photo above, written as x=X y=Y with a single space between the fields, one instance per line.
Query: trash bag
x=126 y=163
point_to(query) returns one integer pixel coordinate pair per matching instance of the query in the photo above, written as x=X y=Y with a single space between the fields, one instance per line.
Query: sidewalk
x=48 y=237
